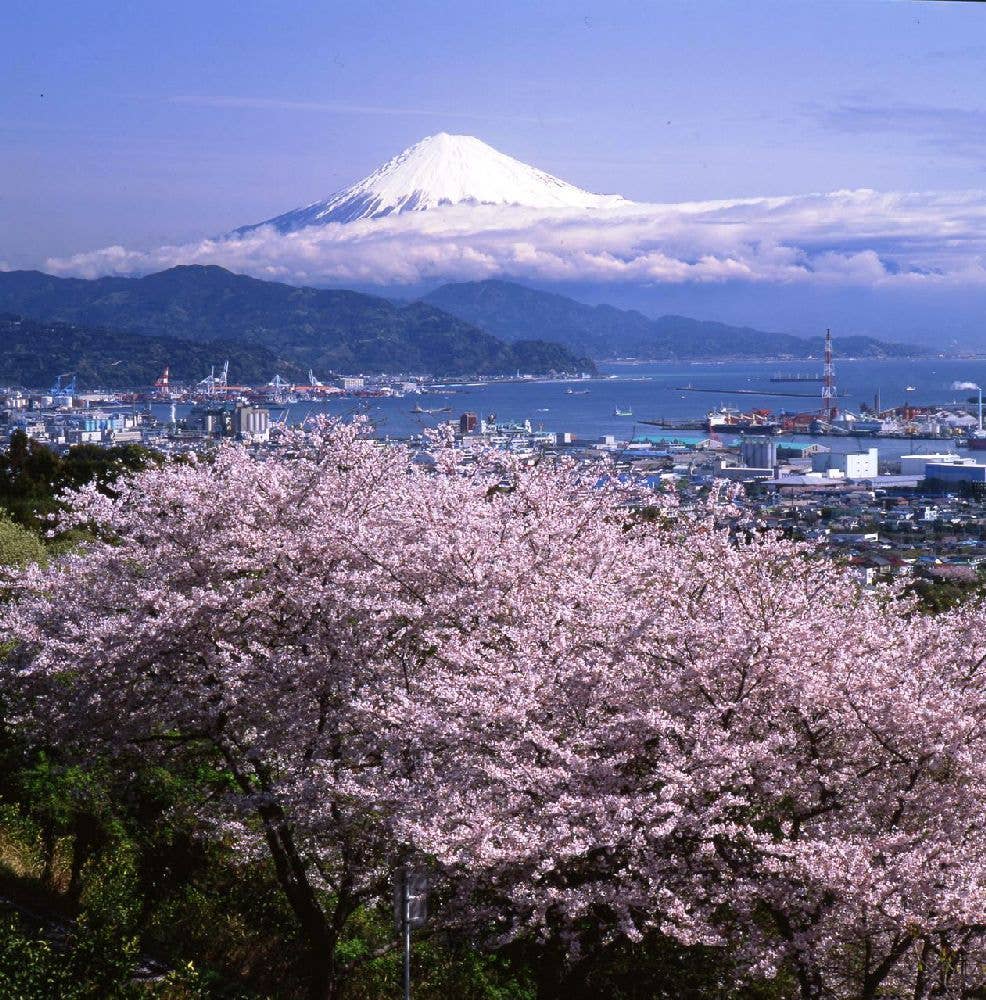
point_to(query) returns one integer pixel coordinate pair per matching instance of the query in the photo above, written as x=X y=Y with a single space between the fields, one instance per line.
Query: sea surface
x=655 y=392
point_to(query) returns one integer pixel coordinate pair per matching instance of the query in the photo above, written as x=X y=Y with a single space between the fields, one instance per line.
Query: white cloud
x=861 y=238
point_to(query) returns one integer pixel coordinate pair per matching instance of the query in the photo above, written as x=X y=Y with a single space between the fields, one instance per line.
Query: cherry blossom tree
x=728 y=741
x=575 y=713
x=228 y=604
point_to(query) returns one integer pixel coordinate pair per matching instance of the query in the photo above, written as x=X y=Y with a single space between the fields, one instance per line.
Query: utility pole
x=410 y=910
x=406 y=922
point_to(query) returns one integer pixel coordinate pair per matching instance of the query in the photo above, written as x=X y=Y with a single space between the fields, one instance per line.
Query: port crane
x=213 y=382
x=60 y=388
x=281 y=388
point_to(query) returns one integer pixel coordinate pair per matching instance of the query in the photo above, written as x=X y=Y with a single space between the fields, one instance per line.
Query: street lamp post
x=410 y=910
x=407 y=936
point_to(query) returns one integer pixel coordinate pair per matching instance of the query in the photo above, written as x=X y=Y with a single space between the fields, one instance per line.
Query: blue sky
x=162 y=124
x=165 y=122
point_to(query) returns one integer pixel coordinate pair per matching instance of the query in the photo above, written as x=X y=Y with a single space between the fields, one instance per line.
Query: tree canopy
x=32 y=475
x=582 y=722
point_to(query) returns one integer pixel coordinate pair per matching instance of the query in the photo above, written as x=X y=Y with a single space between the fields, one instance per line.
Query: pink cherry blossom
x=568 y=711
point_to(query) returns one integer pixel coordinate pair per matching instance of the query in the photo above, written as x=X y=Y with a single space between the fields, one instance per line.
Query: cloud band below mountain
x=860 y=238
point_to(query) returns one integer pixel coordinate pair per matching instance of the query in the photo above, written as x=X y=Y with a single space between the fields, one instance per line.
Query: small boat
x=438 y=409
x=617 y=412
x=576 y=392
x=910 y=388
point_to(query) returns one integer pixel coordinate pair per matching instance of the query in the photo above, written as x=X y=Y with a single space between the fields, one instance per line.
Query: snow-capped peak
x=438 y=171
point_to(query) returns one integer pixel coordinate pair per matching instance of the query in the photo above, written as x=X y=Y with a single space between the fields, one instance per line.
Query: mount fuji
x=440 y=171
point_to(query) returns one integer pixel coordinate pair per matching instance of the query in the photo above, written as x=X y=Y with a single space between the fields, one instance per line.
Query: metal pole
x=407 y=937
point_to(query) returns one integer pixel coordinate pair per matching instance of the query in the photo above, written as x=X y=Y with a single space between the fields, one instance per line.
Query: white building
x=851 y=465
x=252 y=423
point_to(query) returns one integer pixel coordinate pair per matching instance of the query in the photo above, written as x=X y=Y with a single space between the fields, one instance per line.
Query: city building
x=758 y=453
x=949 y=472
x=851 y=465
x=914 y=465
x=251 y=423
x=240 y=420
x=212 y=421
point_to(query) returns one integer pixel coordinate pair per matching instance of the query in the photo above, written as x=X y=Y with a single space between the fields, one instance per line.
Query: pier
x=751 y=392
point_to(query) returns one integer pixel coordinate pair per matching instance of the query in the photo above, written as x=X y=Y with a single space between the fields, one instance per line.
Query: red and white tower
x=163 y=385
x=829 y=410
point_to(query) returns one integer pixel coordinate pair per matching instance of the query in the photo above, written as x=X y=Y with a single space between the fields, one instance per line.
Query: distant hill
x=511 y=311
x=35 y=352
x=334 y=330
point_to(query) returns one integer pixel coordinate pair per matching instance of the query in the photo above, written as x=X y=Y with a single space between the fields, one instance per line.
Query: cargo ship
x=730 y=420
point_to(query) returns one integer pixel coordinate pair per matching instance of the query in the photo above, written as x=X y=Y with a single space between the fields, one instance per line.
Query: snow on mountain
x=438 y=171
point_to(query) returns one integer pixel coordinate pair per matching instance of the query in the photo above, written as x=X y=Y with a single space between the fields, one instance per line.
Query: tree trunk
x=318 y=932
x=49 y=843
x=324 y=983
x=88 y=837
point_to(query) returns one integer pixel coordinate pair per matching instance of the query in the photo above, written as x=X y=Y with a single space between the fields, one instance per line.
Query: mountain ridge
x=339 y=330
x=603 y=332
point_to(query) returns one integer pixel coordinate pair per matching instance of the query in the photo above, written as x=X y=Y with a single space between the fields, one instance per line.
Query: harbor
x=903 y=404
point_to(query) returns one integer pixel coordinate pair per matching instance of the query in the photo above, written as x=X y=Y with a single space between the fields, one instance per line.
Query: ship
x=728 y=419
x=576 y=392
x=617 y=412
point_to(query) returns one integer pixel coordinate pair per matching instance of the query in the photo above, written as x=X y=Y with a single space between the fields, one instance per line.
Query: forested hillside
x=330 y=330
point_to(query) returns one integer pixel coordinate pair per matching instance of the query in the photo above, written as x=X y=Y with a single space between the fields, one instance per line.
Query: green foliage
x=30 y=969
x=36 y=351
x=63 y=801
x=32 y=475
x=18 y=546
x=104 y=946
x=938 y=594
x=441 y=965
x=655 y=968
